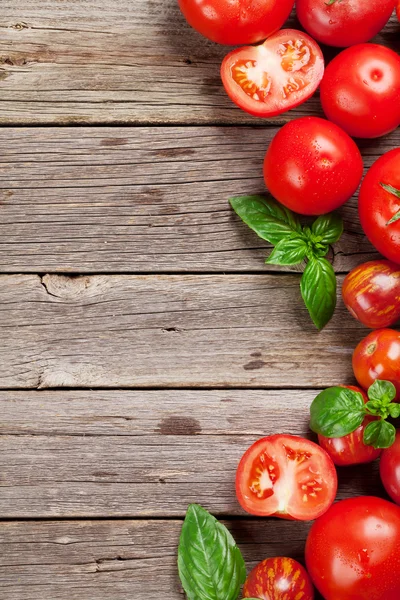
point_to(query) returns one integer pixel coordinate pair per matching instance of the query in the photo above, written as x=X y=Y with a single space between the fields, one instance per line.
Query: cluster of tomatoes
x=312 y=167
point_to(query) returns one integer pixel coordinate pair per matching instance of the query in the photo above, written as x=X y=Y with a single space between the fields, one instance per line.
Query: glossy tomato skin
x=371 y=292
x=344 y=23
x=252 y=75
x=360 y=90
x=378 y=357
x=279 y=578
x=390 y=469
x=353 y=550
x=286 y=476
x=236 y=22
x=398 y=11
x=377 y=206
x=312 y=166
x=350 y=449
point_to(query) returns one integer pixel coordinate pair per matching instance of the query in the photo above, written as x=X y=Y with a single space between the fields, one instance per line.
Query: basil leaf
x=379 y=434
x=328 y=228
x=288 y=252
x=318 y=289
x=382 y=392
x=270 y=220
x=336 y=412
x=210 y=564
x=394 y=410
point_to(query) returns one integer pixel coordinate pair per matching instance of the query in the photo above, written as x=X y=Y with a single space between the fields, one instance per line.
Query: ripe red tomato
x=360 y=90
x=279 y=578
x=377 y=206
x=390 y=469
x=371 y=292
x=398 y=11
x=236 y=22
x=350 y=449
x=272 y=78
x=286 y=476
x=346 y=23
x=378 y=357
x=353 y=550
x=312 y=166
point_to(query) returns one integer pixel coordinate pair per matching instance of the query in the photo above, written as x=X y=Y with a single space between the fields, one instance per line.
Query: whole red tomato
x=350 y=449
x=279 y=578
x=371 y=293
x=272 y=78
x=360 y=90
x=378 y=357
x=312 y=166
x=236 y=22
x=287 y=477
x=379 y=207
x=390 y=469
x=344 y=22
x=353 y=550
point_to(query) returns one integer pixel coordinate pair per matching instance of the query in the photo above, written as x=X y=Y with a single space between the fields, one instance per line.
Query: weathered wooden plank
x=168 y=331
x=118 y=560
x=116 y=62
x=99 y=454
x=142 y=200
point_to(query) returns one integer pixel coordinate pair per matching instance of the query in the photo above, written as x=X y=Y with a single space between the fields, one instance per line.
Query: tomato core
x=371 y=348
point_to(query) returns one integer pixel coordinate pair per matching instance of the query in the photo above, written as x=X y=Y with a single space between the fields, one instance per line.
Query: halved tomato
x=272 y=78
x=286 y=476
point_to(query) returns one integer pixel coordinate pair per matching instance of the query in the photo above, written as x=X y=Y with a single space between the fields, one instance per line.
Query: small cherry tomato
x=312 y=166
x=236 y=22
x=371 y=292
x=379 y=205
x=378 y=357
x=353 y=550
x=360 y=90
x=344 y=23
x=390 y=469
x=286 y=476
x=272 y=78
x=279 y=578
x=350 y=449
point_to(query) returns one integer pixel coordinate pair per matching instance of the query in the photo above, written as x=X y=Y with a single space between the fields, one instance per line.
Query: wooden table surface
x=144 y=343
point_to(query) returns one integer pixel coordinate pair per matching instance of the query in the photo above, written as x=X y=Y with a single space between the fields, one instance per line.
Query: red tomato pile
x=312 y=167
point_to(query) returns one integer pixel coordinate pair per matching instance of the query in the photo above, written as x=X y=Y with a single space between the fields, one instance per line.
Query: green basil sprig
x=211 y=566
x=294 y=244
x=338 y=411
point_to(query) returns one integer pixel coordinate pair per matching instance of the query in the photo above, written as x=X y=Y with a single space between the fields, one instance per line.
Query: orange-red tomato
x=378 y=357
x=371 y=292
x=279 y=578
x=390 y=469
x=398 y=10
x=350 y=449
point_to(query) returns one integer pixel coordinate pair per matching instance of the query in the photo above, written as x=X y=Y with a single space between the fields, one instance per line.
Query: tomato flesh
x=378 y=357
x=377 y=206
x=360 y=90
x=371 y=292
x=279 y=578
x=345 y=22
x=390 y=469
x=312 y=166
x=350 y=449
x=286 y=476
x=236 y=22
x=353 y=550
x=271 y=78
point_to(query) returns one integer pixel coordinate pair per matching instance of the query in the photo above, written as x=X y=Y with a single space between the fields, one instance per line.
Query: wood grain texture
x=168 y=331
x=143 y=453
x=142 y=200
x=101 y=61
x=118 y=560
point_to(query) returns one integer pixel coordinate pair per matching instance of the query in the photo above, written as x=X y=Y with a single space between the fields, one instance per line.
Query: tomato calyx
x=339 y=411
x=395 y=192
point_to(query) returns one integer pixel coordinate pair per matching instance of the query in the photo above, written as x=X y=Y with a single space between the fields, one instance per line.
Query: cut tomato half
x=272 y=78
x=288 y=477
